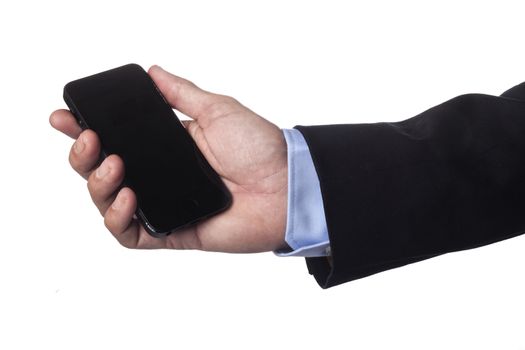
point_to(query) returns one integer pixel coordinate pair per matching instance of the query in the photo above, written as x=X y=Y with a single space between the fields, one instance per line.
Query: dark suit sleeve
x=449 y=179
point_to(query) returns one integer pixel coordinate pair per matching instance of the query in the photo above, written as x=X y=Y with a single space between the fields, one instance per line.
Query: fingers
x=104 y=182
x=127 y=230
x=85 y=153
x=117 y=207
x=181 y=93
x=119 y=218
x=65 y=122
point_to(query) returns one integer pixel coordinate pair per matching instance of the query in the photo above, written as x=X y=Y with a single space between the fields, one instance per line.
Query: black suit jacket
x=448 y=179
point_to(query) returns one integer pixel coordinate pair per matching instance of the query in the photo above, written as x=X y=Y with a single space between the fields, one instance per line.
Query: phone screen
x=174 y=184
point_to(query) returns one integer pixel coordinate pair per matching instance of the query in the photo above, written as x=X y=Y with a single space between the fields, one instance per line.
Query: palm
x=249 y=153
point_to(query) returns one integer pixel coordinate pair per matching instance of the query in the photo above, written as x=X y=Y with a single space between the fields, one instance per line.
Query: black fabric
x=449 y=179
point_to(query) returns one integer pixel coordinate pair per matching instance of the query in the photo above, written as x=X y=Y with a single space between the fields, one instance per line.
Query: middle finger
x=104 y=182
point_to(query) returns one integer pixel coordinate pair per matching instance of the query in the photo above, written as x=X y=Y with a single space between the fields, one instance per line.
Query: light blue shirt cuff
x=306 y=230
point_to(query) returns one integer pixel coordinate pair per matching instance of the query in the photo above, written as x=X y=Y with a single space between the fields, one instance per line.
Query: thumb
x=180 y=93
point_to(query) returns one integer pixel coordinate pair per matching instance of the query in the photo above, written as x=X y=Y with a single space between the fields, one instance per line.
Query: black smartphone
x=174 y=184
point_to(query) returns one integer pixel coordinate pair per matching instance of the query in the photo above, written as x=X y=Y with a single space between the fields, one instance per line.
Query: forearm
x=448 y=179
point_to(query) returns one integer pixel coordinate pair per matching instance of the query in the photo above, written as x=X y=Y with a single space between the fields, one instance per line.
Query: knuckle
x=219 y=106
x=108 y=222
x=112 y=228
x=126 y=244
x=78 y=163
x=91 y=186
x=227 y=99
x=73 y=161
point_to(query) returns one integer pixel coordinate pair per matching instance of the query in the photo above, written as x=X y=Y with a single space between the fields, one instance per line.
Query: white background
x=67 y=284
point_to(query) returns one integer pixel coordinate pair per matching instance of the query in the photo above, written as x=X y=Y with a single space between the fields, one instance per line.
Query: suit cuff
x=306 y=229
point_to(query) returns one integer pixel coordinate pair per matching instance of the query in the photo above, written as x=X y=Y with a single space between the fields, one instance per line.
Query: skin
x=247 y=151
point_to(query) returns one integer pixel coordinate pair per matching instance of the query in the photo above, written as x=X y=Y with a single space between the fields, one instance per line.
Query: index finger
x=65 y=122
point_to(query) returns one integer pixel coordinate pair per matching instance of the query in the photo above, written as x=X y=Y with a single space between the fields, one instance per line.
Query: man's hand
x=247 y=151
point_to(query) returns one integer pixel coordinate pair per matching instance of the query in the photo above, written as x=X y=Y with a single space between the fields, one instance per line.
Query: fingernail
x=118 y=202
x=79 y=145
x=102 y=170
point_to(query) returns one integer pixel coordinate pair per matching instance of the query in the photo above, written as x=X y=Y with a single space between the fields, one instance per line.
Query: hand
x=247 y=151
